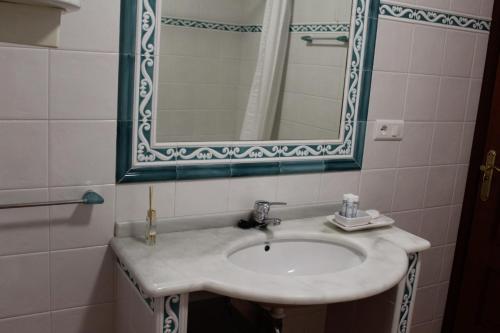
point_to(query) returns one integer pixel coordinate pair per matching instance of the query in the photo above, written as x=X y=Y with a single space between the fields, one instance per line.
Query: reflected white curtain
x=264 y=93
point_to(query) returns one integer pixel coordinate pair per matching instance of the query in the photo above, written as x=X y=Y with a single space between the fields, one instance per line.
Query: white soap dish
x=379 y=222
x=361 y=219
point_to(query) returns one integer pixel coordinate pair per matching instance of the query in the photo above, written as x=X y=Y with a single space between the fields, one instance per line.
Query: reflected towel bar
x=310 y=39
x=89 y=198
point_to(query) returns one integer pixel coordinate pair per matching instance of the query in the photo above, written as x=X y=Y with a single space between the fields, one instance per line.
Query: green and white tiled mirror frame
x=140 y=158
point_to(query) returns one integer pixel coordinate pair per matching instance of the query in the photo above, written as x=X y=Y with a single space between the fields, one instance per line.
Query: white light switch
x=388 y=130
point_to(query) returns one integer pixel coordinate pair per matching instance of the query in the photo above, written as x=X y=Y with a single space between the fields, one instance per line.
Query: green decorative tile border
x=140 y=158
x=307 y=27
x=171 y=314
x=426 y=15
x=410 y=286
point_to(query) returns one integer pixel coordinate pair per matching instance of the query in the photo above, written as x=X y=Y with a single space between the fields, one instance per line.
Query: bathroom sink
x=297 y=257
x=67 y=5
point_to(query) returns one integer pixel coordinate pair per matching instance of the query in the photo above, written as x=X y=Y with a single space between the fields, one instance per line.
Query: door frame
x=474 y=176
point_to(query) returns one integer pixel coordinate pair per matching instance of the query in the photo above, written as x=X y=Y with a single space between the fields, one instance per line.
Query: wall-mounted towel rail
x=311 y=39
x=89 y=198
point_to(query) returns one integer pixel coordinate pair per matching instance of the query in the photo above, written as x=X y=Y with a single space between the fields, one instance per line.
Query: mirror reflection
x=246 y=70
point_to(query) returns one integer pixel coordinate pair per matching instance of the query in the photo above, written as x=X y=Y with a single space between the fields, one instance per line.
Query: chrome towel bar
x=311 y=39
x=89 y=198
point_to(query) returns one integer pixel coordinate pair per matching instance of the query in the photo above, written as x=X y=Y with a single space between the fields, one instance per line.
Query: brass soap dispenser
x=151 y=221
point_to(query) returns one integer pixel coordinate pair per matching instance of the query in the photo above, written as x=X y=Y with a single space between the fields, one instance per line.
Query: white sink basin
x=67 y=5
x=297 y=257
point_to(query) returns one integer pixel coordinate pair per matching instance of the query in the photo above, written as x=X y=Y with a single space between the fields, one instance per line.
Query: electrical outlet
x=388 y=130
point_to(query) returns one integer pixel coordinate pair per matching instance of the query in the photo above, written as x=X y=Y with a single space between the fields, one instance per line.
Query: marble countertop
x=196 y=260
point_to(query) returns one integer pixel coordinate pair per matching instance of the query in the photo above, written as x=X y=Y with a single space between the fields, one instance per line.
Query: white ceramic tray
x=379 y=222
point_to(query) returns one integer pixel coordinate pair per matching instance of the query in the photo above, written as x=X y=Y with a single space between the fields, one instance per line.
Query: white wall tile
x=466 y=144
x=24 y=230
x=243 y=192
x=94 y=27
x=23 y=147
x=459 y=51
x=201 y=197
x=23 y=87
x=427 y=50
x=460 y=182
x=24 y=284
x=83 y=85
x=77 y=226
x=425 y=304
x=448 y=255
x=81 y=277
x=439 y=4
x=440 y=186
x=473 y=99
x=446 y=143
x=298 y=189
x=392 y=50
x=452 y=99
x=335 y=184
x=379 y=154
x=421 y=97
x=456 y=212
x=415 y=148
x=132 y=201
x=89 y=319
x=410 y=221
x=26 y=324
x=486 y=8
x=376 y=189
x=441 y=302
x=410 y=189
x=432 y=260
x=82 y=152
x=386 y=84
x=435 y=223
x=480 y=55
x=466 y=6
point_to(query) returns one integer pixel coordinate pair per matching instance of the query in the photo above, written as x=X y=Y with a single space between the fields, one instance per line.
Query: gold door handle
x=488 y=170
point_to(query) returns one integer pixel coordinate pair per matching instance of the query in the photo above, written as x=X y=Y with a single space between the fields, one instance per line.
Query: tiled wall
x=57 y=139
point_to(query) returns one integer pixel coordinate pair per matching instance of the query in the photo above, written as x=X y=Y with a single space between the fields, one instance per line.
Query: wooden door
x=474 y=301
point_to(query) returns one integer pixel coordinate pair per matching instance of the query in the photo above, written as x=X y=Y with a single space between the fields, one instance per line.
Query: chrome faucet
x=260 y=214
